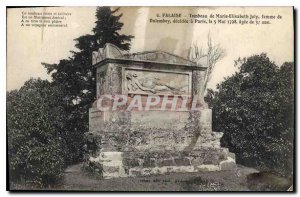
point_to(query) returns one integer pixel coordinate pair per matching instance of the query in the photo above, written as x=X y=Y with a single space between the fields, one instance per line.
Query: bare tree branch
x=213 y=52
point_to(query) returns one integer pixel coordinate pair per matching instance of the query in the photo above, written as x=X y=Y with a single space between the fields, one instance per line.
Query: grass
x=79 y=178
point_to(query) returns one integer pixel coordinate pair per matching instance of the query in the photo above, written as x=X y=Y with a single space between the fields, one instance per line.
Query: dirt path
x=75 y=179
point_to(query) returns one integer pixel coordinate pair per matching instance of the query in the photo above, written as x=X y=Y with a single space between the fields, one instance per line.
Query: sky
x=27 y=47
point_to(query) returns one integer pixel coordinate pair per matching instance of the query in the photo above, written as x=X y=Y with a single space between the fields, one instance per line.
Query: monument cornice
x=148 y=62
x=112 y=54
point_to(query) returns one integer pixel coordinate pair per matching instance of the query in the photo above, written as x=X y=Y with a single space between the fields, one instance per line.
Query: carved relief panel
x=158 y=82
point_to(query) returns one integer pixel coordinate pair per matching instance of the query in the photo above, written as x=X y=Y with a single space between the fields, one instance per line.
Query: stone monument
x=148 y=138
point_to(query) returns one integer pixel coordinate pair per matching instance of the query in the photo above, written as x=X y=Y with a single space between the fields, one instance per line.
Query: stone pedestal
x=154 y=141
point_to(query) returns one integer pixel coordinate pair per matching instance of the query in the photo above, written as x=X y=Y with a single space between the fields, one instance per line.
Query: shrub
x=34 y=147
x=255 y=110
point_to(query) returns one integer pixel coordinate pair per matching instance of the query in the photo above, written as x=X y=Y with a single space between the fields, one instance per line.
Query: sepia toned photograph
x=150 y=99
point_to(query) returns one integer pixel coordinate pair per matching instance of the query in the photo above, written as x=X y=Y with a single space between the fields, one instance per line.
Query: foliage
x=255 y=110
x=93 y=169
x=33 y=123
x=93 y=142
x=76 y=76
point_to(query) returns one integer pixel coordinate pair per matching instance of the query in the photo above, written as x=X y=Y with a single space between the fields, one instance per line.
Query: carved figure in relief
x=153 y=85
x=133 y=83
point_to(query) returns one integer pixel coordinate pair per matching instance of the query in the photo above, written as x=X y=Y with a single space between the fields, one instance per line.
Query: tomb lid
x=112 y=52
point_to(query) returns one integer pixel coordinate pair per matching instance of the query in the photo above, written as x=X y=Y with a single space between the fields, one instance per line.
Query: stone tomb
x=155 y=141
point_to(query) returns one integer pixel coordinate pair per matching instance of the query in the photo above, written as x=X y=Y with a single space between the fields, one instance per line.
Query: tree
x=33 y=126
x=254 y=108
x=76 y=76
x=213 y=54
x=108 y=27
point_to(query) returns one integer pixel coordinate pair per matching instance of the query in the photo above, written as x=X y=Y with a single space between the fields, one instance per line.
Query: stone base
x=112 y=164
x=131 y=164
